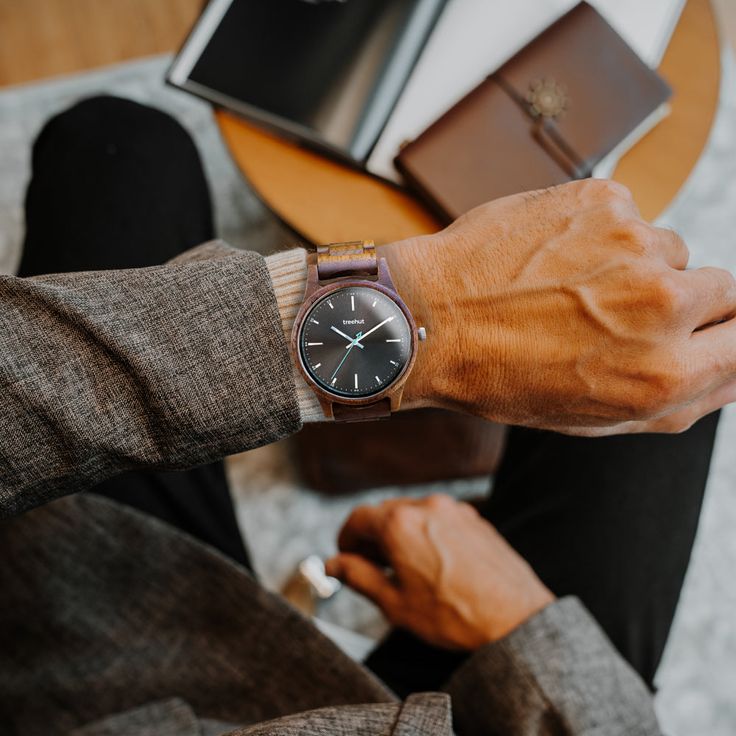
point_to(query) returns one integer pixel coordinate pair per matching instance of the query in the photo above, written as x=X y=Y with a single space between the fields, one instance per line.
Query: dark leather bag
x=422 y=446
x=547 y=116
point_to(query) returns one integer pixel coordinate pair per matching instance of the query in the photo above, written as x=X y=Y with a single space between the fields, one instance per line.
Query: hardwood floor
x=43 y=38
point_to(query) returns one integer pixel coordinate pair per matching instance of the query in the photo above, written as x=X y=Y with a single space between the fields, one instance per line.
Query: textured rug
x=283 y=522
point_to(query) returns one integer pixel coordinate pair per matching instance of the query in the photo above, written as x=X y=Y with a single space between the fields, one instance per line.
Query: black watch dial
x=355 y=342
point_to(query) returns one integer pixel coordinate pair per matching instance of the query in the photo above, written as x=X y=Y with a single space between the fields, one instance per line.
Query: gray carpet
x=283 y=522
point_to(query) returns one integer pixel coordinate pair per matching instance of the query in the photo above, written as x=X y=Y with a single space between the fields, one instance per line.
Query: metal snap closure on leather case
x=547 y=98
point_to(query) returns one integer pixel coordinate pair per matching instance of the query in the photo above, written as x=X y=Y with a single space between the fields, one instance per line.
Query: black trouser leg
x=119 y=185
x=611 y=521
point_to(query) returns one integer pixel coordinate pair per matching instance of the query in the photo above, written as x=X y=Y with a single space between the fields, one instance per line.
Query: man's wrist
x=531 y=600
x=288 y=271
x=411 y=272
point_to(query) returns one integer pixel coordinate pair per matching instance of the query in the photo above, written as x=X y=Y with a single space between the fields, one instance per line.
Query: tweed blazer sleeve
x=555 y=675
x=165 y=367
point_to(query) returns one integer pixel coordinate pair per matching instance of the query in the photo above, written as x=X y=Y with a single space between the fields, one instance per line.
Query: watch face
x=355 y=342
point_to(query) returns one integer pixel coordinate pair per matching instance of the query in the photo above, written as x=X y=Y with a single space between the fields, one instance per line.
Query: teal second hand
x=350 y=347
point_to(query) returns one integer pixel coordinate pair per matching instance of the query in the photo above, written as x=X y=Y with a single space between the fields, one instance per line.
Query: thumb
x=364 y=577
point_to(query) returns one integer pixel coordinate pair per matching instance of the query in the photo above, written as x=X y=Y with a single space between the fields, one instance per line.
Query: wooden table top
x=325 y=201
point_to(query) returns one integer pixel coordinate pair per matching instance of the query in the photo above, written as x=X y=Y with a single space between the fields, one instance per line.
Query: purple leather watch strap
x=378 y=410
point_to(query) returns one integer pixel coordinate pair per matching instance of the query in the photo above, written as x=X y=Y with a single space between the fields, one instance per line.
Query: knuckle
x=723 y=280
x=675 y=238
x=603 y=189
x=398 y=518
x=667 y=297
x=665 y=388
x=583 y=191
x=612 y=189
x=439 y=501
x=635 y=232
x=628 y=234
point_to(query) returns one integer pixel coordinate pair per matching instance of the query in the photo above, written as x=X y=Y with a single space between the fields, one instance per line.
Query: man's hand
x=437 y=568
x=562 y=309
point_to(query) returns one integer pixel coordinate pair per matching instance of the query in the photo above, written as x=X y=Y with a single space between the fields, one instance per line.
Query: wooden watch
x=354 y=340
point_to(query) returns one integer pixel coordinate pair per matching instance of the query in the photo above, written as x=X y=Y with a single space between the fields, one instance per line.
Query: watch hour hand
x=347 y=337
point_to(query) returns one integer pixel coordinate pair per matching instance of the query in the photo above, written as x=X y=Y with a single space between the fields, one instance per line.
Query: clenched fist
x=562 y=309
x=436 y=568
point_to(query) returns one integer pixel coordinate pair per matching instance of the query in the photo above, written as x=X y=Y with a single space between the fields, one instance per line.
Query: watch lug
x=312 y=279
x=384 y=275
x=396 y=398
x=326 y=408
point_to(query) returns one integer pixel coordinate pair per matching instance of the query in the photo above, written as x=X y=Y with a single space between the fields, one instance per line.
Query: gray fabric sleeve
x=164 y=367
x=557 y=674
x=172 y=717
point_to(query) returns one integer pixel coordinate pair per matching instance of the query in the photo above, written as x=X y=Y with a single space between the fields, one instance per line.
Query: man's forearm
x=165 y=367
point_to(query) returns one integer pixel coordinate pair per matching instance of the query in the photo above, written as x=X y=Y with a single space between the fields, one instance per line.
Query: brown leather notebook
x=547 y=116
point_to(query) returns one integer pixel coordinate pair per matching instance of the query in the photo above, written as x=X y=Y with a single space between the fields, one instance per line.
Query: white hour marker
x=352 y=302
x=356 y=380
x=314 y=320
x=334 y=381
x=393 y=362
x=394 y=339
x=329 y=304
x=378 y=380
x=315 y=343
x=317 y=366
x=375 y=301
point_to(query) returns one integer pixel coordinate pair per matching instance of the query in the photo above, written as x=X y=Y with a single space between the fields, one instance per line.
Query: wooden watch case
x=386 y=401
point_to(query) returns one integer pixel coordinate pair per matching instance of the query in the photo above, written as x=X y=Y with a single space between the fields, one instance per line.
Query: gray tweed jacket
x=113 y=624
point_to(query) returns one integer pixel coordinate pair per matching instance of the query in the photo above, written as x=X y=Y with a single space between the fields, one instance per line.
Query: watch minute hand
x=373 y=329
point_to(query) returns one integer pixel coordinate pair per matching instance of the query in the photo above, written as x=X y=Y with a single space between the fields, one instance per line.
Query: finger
x=363 y=532
x=360 y=534
x=366 y=578
x=672 y=248
x=713 y=294
x=715 y=348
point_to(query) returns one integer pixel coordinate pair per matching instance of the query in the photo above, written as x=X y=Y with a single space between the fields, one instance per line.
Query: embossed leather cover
x=547 y=116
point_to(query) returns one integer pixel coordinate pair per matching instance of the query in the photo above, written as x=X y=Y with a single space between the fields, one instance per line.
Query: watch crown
x=422 y=333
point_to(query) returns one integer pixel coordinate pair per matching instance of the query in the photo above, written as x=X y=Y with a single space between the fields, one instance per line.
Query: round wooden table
x=326 y=202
